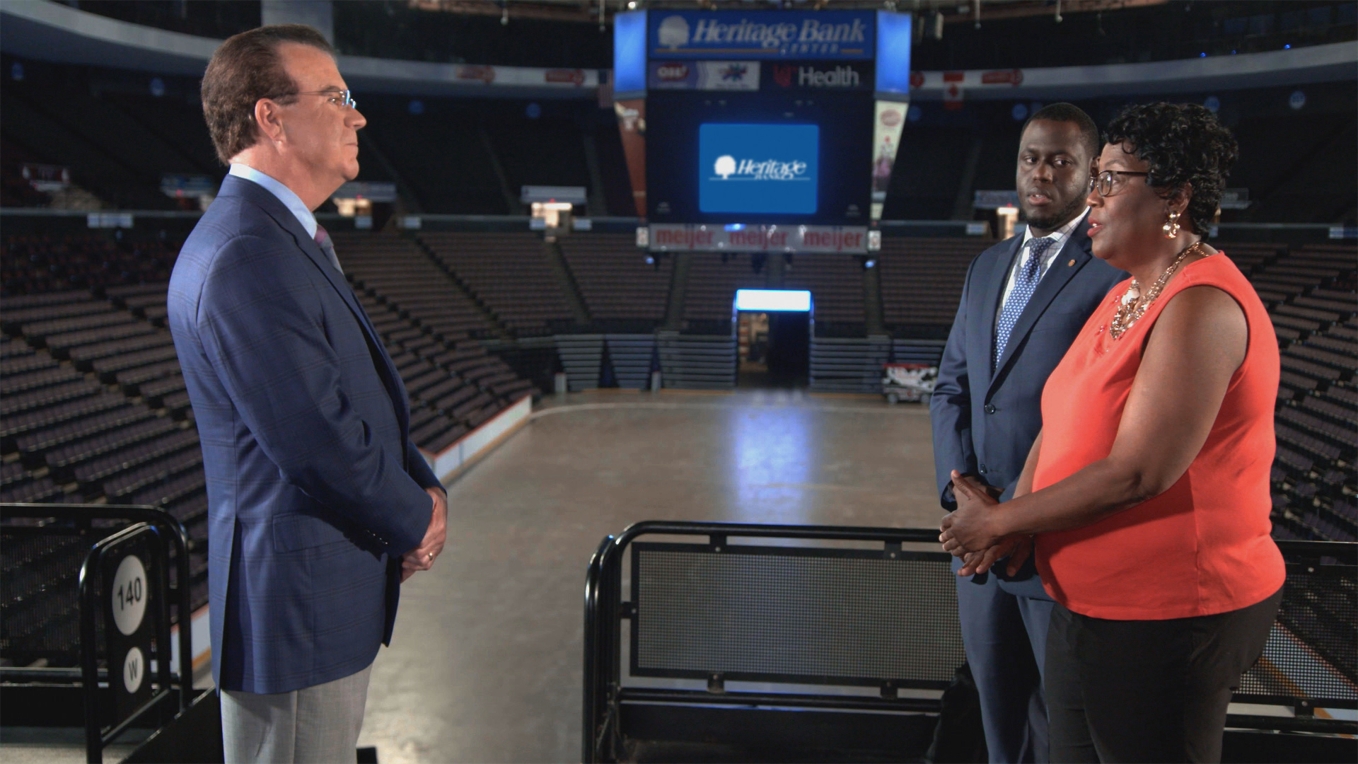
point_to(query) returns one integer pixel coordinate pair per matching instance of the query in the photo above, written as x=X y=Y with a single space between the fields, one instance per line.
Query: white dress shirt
x=1059 y=236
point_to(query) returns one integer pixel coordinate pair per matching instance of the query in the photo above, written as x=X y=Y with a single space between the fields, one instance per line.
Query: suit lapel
x=289 y=222
x=990 y=304
x=1068 y=262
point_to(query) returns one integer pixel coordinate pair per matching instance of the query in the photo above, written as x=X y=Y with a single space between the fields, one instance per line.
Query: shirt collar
x=1058 y=236
x=284 y=194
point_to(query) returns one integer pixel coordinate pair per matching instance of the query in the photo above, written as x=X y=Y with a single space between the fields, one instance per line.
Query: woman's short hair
x=1183 y=144
x=245 y=69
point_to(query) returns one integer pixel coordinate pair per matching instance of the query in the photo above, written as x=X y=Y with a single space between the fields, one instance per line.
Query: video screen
x=755 y=169
x=796 y=157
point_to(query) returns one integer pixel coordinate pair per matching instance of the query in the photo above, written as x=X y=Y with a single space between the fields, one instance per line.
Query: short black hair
x=1069 y=112
x=1183 y=144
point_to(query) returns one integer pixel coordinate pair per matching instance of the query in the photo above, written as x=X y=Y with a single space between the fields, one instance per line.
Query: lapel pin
x=1072 y=262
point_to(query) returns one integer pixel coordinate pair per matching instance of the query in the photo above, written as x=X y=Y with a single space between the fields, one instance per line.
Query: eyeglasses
x=1107 y=180
x=337 y=97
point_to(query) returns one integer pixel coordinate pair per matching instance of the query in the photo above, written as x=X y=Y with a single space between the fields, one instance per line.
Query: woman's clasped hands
x=975 y=533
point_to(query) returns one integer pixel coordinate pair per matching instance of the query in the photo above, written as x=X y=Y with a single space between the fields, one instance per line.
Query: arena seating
x=620 y=290
x=503 y=149
x=430 y=329
x=836 y=282
x=1309 y=179
x=94 y=409
x=510 y=273
x=109 y=153
x=548 y=151
x=441 y=180
x=712 y=282
x=93 y=406
x=45 y=263
x=921 y=282
x=1311 y=296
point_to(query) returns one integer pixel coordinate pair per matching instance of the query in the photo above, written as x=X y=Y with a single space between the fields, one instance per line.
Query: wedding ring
x=431 y=556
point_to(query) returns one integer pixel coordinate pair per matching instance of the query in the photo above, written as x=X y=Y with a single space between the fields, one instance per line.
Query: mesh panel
x=1311 y=652
x=810 y=615
x=39 y=598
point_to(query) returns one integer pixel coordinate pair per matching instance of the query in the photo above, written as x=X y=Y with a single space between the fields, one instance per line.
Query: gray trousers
x=316 y=724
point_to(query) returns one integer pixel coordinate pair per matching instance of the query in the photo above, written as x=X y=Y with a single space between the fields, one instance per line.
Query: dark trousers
x=1147 y=691
x=1004 y=630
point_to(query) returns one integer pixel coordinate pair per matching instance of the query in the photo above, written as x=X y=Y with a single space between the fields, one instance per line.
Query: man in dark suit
x=1024 y=301
x=319 y=504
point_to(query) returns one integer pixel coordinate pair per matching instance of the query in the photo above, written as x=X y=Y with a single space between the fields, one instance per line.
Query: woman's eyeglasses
x=1110 y=182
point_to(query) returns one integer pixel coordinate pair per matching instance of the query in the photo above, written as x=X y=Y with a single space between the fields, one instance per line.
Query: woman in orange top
x=1148 y=489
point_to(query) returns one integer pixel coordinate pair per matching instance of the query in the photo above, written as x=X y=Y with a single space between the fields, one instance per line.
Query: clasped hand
x=422 y=557
x=970 y=532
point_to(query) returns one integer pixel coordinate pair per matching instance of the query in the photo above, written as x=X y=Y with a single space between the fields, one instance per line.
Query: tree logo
x=726 y=165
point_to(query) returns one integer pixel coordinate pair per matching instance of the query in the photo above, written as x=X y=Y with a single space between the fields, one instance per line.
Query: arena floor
x=485 y=664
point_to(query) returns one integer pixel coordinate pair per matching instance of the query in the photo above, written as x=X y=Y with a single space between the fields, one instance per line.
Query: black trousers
x=1148 y=691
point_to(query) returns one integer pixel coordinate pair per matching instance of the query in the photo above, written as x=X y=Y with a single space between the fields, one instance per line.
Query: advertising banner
x=631 y=115
x=818 y=75
x=840 y=35
x=524 y=76
x=889 y=119
x=756 y=238
x=703 y=75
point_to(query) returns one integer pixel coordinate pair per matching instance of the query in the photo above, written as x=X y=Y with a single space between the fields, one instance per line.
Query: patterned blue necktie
x=1025 y=283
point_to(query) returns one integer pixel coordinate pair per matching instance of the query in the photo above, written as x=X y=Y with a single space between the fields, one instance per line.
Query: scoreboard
x=761 y=129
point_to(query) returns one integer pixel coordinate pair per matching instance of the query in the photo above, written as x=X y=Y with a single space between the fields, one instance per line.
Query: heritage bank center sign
x=762 y=35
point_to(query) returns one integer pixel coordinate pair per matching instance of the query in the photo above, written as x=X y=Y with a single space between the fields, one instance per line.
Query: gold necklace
x=1133 y=305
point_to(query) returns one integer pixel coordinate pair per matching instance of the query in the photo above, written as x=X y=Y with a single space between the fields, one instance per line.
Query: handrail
x=95 y=737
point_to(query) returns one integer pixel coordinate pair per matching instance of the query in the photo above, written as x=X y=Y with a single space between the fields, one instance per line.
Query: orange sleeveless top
x=1202 y=547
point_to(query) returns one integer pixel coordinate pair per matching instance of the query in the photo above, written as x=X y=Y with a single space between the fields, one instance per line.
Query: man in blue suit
x=319 y=504
x=1024 y=301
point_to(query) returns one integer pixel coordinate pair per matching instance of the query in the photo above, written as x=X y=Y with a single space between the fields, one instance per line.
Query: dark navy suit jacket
x=984 y=423
x=314 y=487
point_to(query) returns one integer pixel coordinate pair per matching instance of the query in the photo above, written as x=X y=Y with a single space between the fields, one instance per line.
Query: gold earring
x=1171 y=226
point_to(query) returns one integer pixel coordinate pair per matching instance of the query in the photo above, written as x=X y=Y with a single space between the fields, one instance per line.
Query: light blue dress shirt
x=284 y=194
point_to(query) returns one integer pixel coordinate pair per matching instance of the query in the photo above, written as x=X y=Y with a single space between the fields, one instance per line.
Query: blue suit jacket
x=985 y=422
x=314 y=487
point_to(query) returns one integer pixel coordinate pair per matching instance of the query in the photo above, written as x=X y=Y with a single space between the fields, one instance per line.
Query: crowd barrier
x=735 y=642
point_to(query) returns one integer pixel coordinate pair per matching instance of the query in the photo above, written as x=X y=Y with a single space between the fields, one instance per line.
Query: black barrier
x=805 y=608
x=121 y=608
x=1310 y=663
x=817 y=613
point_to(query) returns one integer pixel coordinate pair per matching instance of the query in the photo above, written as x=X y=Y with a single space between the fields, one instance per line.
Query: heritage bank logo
x=758 y=169
x=753 y=168
x=843 y=34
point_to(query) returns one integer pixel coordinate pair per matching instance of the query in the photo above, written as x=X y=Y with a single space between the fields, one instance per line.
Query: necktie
x=1025 y=283
x=327 y=246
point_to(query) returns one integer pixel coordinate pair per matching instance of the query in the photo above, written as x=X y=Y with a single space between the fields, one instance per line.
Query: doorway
x=773 y=338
